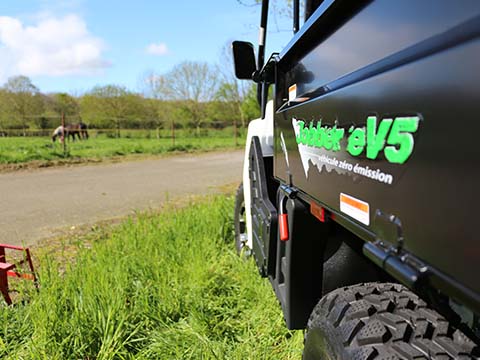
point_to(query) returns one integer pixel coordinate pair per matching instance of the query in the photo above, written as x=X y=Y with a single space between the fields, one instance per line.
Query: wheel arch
x=263 y=129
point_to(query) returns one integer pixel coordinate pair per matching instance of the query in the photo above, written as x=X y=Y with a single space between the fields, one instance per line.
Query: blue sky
x=73 y=45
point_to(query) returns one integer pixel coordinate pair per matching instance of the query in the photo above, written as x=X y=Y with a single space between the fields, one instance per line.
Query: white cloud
x=157 y=49
x=52 y=47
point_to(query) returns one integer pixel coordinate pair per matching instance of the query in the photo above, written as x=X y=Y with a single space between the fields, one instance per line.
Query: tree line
x=191 y=94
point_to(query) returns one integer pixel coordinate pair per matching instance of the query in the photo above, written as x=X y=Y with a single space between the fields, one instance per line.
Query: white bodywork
x=263 y=128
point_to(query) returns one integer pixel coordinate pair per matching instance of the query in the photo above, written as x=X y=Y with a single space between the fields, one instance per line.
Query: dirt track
x=39 y=204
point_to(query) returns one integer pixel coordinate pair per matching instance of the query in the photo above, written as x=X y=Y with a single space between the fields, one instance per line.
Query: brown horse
x=76 y=130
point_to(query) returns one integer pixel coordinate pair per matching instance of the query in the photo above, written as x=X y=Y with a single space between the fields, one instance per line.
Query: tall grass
x=156 y=287
x=24 y=149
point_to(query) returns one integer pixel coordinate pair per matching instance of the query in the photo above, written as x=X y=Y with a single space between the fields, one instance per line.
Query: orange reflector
x=317 y=211
x=283 y=226
x=355 y=203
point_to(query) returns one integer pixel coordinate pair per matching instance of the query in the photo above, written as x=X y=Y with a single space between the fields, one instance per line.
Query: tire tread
x=386 y=321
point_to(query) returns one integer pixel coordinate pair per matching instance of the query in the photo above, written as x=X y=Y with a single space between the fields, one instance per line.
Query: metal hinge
x=391 y=256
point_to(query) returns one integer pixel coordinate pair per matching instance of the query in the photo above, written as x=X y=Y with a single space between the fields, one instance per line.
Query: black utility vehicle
x=360 y=196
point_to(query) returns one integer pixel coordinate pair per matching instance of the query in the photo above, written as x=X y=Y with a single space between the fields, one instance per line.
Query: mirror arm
x=262 y=34
x=296 y=15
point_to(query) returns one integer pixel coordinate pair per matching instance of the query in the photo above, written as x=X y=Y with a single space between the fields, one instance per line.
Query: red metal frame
x=8 y=269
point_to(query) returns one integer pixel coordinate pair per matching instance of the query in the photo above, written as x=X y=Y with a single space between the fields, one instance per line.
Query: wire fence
x=135 y=133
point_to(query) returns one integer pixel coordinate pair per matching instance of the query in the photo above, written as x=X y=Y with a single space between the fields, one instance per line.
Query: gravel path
x=38 y=204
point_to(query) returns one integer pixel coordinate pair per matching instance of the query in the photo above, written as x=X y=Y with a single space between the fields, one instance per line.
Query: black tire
x=239 y=220
x=381 y=321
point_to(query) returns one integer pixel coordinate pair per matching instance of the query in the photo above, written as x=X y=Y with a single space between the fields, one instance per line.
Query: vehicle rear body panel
x=378 y=29
x=434 y=192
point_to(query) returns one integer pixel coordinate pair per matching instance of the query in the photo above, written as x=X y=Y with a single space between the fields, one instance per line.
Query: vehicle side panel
x=434 y=192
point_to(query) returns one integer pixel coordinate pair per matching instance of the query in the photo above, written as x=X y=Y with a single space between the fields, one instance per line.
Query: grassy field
x=17 y=150
x=166 y=286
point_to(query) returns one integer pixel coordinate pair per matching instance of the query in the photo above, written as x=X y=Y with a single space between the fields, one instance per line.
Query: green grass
x=16 y=150
x=166 y=286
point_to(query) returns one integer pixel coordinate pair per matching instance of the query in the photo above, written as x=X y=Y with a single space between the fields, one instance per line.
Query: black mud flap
x=298 y=278
x=264 y=213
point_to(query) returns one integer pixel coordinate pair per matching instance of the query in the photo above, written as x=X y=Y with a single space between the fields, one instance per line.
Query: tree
x=24 y=99
x=281 y=8
x=231 y=89
x=158 y=112
x=250 y=106
x=66 y=104
x=4 y=115
x=192 y=84
x=56 y=105
x=112 y=104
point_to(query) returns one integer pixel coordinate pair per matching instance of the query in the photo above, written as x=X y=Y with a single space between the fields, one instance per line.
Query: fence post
x=235 y=131
x=173 y=132
x=64 y=141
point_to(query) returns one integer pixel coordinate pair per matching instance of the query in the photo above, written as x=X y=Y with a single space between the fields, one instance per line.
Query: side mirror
x=244 y=60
